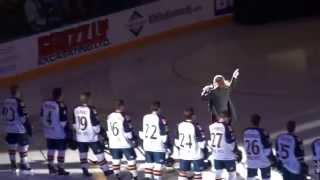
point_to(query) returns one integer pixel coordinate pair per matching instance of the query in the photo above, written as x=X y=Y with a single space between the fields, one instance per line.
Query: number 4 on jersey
x=185 y=141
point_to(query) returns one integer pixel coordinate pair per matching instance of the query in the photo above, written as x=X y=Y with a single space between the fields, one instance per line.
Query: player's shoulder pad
x=126 y=116
x=19 y=101
x=162 y=119
x=264 y=132
x=93 y=109
x=227 y=126
x=316 y=141
x=246 y=129
x=197 y=125
x=61 y=104
x=298 y=139
x=282 y=134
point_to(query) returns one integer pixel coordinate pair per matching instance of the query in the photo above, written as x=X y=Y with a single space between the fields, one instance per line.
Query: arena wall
x=106 y=36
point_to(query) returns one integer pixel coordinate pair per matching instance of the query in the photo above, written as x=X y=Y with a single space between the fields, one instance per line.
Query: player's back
x=256 y=148
x=11 y=114
x=117 y=131
x=222 y=141
x=189 y=147
x=286 y=145
x=83 y=124
x=316 y=149
x=50 y=116
x=153 y=140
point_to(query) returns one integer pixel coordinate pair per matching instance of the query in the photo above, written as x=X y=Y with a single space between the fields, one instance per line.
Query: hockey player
x=316 y=156
x=190 y=141
x=87 y=127
x=290 y=154
x=155 y=142
x=258 y=150
x=55 y=124
x=223 y=146
x=122 y=140
x=218 y=95
x=18 y=129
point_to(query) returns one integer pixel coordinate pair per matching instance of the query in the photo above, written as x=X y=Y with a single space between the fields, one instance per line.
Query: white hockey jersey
x=86 y=124
x=54 y=119
x=154 y=133
x=190 y=140
x=119 y=131
x=257 y=148
x=13 y=112
x=316 y=149
x=222 y=141
x=290 y=152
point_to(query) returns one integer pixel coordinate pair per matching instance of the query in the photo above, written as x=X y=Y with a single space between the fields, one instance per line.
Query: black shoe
x=13 y=166
x=108 y=173
x=117 y=177
x=52 y=169
x=86 y=173
x=63 y=172
x=133 y=177
x=25 y=167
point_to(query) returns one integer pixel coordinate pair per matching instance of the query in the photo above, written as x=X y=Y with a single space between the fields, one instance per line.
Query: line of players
x=86 y=133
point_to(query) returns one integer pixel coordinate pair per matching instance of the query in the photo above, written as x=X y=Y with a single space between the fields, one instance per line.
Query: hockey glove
x=238 y=154
x=72 y=144
x=272 y=160
x=134 y=141
x=279 y=165
x=104 y=137
x=169 y=162
x=206 y=153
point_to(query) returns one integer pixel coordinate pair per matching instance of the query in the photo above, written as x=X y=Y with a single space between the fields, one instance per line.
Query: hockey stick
x=140 y=149
x=43 y=155
x=92 y=162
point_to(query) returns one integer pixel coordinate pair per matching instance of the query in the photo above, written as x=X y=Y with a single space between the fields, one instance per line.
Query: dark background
x=15 y=14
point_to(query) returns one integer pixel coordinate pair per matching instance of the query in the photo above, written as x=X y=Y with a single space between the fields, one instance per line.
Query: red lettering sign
x=78 y=37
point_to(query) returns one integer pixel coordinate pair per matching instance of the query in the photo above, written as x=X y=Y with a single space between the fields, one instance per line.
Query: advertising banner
x=104 y=32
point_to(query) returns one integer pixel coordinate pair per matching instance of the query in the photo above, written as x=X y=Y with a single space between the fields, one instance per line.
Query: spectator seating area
x=25 y=17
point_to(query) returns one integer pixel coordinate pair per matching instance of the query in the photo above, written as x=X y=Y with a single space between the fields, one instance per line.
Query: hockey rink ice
x=279 y=75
